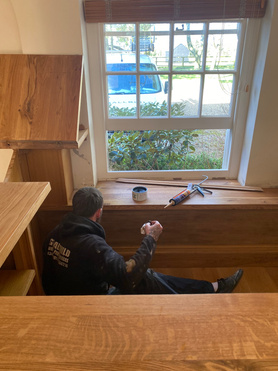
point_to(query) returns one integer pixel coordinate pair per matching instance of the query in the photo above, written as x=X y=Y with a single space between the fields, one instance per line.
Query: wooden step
x=177 y=256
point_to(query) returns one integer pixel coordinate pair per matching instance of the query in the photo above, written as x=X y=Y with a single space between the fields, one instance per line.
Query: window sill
x=119 y=196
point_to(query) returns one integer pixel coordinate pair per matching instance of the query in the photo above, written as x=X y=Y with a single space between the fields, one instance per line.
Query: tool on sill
x=191 y=188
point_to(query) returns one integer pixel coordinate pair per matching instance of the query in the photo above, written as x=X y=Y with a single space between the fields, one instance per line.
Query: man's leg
x=186 y=285
x=190 y=286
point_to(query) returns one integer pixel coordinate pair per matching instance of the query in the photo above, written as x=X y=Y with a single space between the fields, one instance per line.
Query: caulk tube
x=180 y=196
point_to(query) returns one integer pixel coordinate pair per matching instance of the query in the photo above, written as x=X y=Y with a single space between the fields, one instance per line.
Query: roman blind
x=105 y=11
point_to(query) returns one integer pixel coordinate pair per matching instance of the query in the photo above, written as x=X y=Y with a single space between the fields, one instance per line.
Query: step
x=177 y=256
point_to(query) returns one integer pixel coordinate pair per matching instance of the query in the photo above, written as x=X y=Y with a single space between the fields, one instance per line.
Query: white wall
x=47 y=26
x=57 y=27
x=259 y=163
x=10 y=42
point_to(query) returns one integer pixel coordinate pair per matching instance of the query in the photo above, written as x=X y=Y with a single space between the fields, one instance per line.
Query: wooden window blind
x=105 y=11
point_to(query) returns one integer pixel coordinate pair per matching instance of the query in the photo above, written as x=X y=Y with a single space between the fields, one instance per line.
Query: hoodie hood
x=73 y=224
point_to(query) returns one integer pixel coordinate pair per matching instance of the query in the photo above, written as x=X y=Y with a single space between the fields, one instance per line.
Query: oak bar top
x=19 y=202
x=144 y=332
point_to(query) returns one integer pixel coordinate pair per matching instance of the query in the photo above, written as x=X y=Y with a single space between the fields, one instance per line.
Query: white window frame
x=236 y=124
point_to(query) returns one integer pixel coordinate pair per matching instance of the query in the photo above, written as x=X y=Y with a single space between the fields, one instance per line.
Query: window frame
x=171 y=123
x=236 y=124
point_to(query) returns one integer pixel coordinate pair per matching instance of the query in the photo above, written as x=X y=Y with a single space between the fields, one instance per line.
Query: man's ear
x=98 y=213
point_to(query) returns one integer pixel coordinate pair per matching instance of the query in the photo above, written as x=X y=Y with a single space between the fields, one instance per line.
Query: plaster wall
x=262 y=126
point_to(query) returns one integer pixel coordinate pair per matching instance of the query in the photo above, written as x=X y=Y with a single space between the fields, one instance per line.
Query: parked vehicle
x=122 y=87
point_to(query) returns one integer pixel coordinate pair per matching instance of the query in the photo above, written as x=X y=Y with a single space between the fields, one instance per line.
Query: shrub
x=150 y=150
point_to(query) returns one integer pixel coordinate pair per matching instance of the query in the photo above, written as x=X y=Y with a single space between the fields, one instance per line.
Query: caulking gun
x=191 y=188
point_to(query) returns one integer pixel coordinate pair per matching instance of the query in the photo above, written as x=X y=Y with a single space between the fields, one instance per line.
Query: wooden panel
x=5 y=159
x=18 y=204
x=40 y=99
x=189 y=227
x=53 y=166
x=25 y=258
x=16 y=282
x=177 y=332
x=176 y=256
x=14 y=173
x=68 y=177
x=190 y=238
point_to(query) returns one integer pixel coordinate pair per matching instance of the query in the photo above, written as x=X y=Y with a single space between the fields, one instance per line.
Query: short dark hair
x=87 y=201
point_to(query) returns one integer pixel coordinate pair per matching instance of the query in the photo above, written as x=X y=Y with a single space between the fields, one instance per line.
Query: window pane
x=146 y=37
x=154 y=41
x=165 y=150
x=153 y=96
x=120 y=62
x=209 y=149
x=185 y=95
x=118 y=28
x=224 y=26
x=121 y=95
x=188 y=47
x=222 y=52
x=118 y=37
x=217 y=96
x=189 y=26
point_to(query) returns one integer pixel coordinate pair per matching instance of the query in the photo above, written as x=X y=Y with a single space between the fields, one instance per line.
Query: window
x=170 y=96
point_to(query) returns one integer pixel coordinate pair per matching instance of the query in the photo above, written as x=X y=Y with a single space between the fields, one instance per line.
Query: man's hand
x=153 y=228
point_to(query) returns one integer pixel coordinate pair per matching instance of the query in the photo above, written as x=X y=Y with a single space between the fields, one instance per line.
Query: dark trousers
x=178 y=285
x=159 y=283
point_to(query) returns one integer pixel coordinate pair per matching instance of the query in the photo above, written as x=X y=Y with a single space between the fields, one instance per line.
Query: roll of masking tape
x=139 y=193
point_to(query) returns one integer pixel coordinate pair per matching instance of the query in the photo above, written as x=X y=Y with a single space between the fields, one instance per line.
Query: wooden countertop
x=144 y=332
x=18 y=204
x=119 y=196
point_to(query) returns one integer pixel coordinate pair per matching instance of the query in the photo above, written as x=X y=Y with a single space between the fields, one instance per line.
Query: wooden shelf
x=16 y=282
x=18 y=204
x=40 y=105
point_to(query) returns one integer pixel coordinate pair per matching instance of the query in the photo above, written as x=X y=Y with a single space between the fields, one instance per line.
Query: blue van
x=122 y=87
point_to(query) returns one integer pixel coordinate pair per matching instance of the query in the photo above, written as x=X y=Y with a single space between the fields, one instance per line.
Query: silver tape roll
x=139 y=193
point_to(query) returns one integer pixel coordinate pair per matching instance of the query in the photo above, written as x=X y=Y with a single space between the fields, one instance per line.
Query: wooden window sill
x=119 y=196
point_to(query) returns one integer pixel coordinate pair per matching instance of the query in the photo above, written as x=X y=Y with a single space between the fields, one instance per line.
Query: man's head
x=87 y=201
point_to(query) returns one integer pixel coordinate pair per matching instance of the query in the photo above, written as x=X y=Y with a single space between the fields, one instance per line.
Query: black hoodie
x=78 y=261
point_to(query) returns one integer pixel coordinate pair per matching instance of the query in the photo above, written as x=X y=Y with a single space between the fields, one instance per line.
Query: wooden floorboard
x=254 y=279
